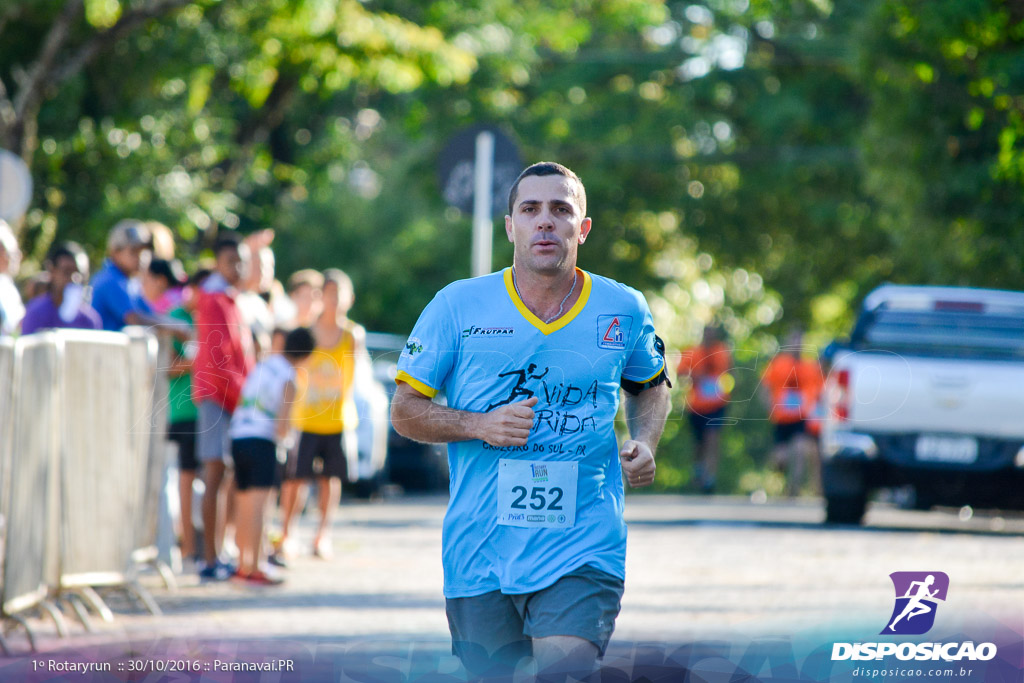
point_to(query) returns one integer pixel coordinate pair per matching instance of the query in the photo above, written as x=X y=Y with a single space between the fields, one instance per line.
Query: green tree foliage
x=944 y=141
x=760 y=163
x=175 y=110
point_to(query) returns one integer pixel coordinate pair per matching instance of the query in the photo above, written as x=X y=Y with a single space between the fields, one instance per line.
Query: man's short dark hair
x=544 y=168
x=299 y=343
x=226 y=240
x=70 y=249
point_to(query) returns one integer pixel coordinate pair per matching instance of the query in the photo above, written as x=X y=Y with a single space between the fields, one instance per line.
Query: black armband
x=634 y=388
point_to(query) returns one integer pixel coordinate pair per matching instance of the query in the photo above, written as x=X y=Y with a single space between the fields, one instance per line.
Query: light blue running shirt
x=514 y=522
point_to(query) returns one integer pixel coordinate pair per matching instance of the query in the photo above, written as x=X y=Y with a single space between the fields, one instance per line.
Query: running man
x=534 y=542
x=915 y=606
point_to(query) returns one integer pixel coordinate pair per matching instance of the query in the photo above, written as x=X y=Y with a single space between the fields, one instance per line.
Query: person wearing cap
x=63 y=305
x=117 y=292
x=11 y=307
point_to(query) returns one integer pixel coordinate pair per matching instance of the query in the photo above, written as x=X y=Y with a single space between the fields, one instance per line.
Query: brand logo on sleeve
x=412 y=347
x=613 y=331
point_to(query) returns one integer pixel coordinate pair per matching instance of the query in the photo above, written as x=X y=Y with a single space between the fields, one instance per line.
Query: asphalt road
x=697 y=568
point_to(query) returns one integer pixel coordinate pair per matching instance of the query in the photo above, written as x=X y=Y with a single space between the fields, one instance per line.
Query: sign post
x=483 y=200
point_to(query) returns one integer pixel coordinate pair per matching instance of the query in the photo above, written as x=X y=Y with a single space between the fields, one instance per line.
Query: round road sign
x=456 y=163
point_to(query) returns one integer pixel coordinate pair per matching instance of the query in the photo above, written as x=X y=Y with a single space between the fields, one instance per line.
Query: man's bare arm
x=415 y=416
x=645 y=418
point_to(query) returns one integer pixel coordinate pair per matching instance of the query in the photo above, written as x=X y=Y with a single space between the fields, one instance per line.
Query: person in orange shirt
x=707 y=365
x=790 y=387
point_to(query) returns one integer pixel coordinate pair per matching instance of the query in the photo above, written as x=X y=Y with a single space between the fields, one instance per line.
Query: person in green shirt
x=181 y=428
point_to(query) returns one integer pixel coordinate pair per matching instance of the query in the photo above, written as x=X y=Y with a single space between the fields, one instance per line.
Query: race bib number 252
x=536 y=494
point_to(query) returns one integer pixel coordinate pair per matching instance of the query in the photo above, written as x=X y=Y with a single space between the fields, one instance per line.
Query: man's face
x=65 y=271
x=546 y=225
x=233 y=264
x=130 y=260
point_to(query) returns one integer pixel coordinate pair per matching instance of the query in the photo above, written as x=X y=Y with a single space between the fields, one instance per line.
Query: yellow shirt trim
x=415 y=384
x=663 y=369
x=559 y=323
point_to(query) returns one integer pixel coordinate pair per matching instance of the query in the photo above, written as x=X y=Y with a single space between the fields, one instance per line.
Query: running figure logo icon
x=917 y=596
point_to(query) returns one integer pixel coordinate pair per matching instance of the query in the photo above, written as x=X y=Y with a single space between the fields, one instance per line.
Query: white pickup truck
x=929 y=393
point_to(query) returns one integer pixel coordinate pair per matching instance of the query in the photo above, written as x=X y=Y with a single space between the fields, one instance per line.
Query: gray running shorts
x=491 y=632
x=213 y=442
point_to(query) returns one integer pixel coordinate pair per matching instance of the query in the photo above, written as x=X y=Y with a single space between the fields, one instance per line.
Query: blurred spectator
x=707 y=365
x=253 y=299
x=182 y=414
x=819 y=410
x=35 y=285
x=224 y=357
x=63 y=305
x=325 y=410
x=260 y=425
x=305 y=288
x=117 y=292
x=163 y=283
x=790 y=387
x=11 y=307
x=163 y=240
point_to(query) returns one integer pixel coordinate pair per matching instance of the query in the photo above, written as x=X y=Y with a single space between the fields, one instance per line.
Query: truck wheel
x=845 y=509
x=844 y=483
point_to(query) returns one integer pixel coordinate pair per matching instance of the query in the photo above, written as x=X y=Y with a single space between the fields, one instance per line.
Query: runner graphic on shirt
x=519 y=390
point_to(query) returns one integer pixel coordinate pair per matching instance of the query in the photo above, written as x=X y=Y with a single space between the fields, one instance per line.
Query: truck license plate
x=950 y=449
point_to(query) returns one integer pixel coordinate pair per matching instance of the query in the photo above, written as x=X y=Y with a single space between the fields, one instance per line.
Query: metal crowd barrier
x=100 y=464
x=81 y=468
x=31 y=487
x=150 y=358
x=6 y=406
